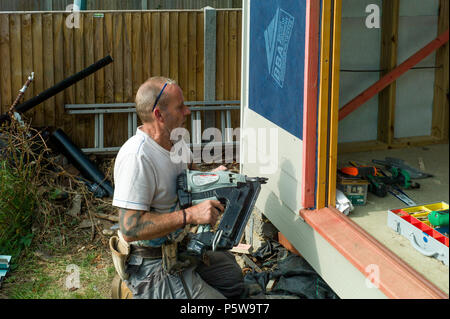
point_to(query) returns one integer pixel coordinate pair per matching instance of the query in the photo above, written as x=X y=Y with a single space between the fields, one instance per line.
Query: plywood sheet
x=415 y=89
x=360 y=50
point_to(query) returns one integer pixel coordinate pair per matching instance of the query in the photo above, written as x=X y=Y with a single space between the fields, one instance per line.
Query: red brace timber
x=393 y=75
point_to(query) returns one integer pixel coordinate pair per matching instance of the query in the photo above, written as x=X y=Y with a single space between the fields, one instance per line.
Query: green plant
x=20 y=167
x=35 y=195
x=18 y=203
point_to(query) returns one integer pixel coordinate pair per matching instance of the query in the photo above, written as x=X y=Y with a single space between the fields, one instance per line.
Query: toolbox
x=354 y=188
x=414 y=224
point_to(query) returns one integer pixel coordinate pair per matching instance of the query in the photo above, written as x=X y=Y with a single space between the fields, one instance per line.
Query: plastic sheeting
x=293 y=275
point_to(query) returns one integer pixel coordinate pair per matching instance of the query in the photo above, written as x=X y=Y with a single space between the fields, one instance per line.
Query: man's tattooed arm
x=140 y=225
x=132 y=223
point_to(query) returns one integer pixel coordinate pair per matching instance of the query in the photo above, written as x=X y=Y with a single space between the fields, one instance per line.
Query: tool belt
x=168 y=252
x=146 y=252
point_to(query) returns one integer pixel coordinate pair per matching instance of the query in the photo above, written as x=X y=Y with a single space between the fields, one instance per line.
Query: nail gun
x=238 y=193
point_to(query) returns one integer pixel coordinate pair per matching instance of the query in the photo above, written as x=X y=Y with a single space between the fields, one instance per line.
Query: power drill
x=238 y=193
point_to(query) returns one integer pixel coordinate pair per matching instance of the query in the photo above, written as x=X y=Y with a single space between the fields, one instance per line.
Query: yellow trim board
x=322 y=138
x=334 y=112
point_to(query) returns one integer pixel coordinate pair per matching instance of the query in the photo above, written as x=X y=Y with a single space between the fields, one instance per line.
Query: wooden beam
x=251 y=263
x=242 y=249
x=404 y=142
x=48 y=5
x=6 y=98
x=334 y=109
x=388 y=62
x=416 y=141
x=286 y=244
x=364 y=146
x=393 y=75
x=210 y=26
x=310 y=103
x=439 y=126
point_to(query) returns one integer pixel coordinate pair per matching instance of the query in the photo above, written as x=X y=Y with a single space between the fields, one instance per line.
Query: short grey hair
x=147 y=94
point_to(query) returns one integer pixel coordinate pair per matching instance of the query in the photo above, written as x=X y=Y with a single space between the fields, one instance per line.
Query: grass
x=45 y=241
x=35 y=278
x=40 y=271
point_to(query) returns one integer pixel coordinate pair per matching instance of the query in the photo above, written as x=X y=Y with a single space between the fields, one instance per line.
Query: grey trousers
x=221 y=279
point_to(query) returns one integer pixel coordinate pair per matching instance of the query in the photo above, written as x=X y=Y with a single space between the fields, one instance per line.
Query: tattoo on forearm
x=133 y=223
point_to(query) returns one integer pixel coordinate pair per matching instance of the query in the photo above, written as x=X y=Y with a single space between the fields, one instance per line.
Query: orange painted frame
x=310 y=103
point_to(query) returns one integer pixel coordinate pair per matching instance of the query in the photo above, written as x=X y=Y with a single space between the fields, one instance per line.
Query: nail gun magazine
x=237 y=192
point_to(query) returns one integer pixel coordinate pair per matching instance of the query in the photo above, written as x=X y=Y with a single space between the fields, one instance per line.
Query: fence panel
x=142 y=44
x=61 y=5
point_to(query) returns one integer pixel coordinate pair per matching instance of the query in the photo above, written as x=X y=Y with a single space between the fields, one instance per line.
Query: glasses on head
x=159 y=96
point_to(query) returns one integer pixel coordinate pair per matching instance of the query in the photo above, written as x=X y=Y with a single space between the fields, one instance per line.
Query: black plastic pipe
x=64 y=84
x=76 y=156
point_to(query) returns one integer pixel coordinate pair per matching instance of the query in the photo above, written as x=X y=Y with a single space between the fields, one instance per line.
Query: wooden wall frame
x=386 y=109
x=439 y=128
x=388 y=62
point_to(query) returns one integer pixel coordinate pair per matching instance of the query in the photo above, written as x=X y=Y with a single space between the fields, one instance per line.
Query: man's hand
x=206 y=212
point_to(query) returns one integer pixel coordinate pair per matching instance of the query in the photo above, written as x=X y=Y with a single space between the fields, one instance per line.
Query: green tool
x=438 y=218
x=381 y=184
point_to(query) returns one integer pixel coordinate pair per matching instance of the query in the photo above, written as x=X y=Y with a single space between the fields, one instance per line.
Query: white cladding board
x=278 y=157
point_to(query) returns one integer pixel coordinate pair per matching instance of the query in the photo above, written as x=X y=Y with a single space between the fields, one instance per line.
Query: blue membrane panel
x=277 y=57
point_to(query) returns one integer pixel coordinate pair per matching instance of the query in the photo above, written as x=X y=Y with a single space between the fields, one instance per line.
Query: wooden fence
x=142 y=44
x=61 y=5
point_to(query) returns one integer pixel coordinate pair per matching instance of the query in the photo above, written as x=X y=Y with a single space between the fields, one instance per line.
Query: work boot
x=119 y=289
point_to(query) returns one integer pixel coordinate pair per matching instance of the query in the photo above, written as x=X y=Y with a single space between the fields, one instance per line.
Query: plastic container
x=412 y=223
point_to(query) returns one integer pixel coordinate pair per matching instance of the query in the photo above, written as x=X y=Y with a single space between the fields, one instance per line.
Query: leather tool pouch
x=170 y=261
x=169 y=256
x=120 y=251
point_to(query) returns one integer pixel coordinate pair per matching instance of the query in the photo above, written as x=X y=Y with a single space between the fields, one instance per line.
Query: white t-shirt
x=145 y=177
